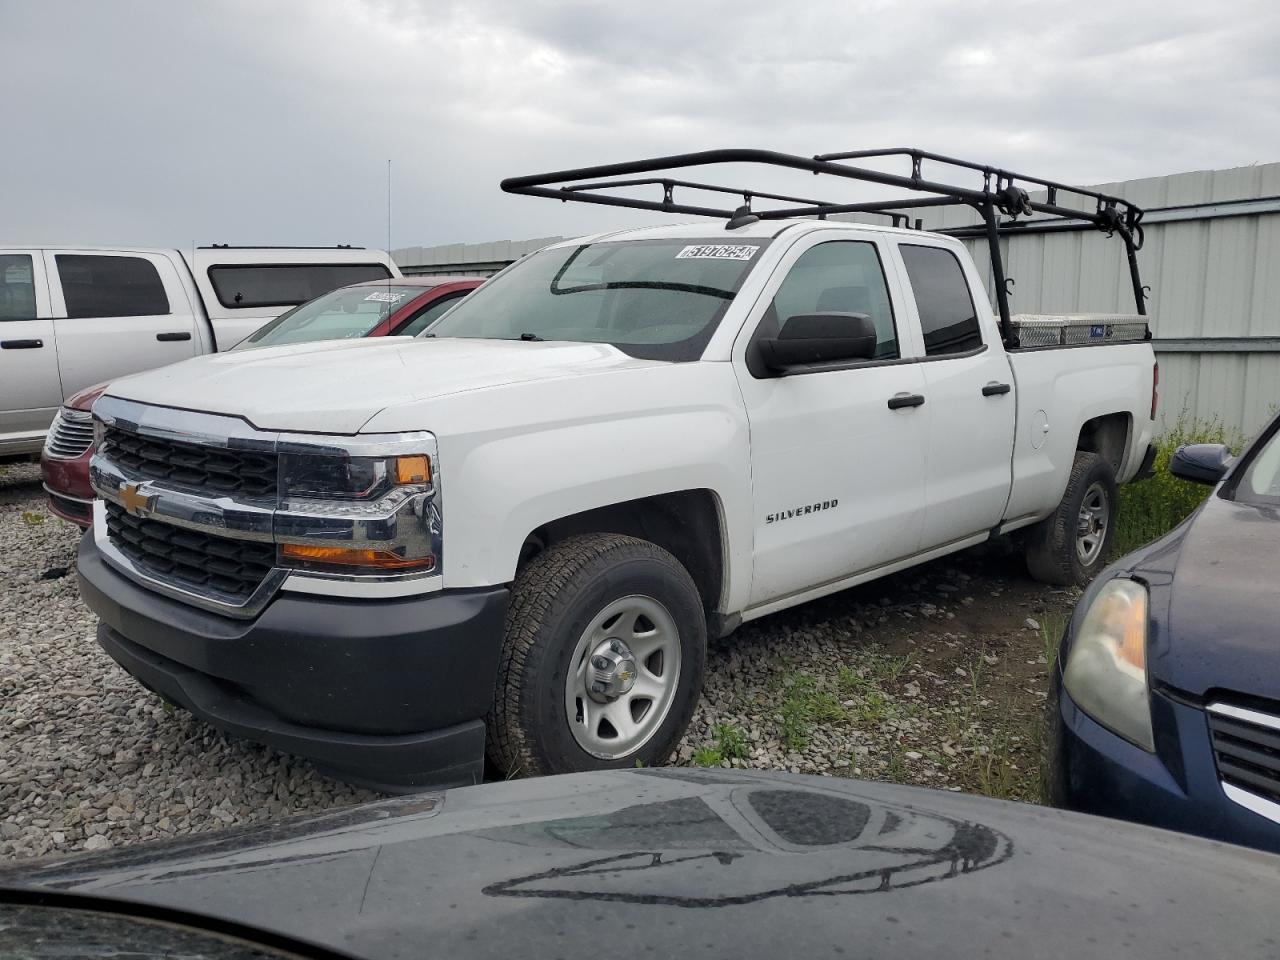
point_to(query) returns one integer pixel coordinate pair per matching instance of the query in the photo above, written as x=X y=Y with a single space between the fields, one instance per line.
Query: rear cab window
x=246 y=285
x=101 y=285
x=948 y=317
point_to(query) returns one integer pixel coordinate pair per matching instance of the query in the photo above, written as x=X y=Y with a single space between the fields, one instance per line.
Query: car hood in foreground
x=683 y=863
x=1214 y=601
x=336 y=386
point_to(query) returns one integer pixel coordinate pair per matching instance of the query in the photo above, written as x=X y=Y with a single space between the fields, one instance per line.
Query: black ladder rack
x=997 y=193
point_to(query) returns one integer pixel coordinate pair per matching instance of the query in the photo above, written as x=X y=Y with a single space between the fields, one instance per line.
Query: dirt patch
x=936 y=676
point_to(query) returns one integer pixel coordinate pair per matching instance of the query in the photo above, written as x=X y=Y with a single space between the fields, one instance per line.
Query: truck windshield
x=655 y=299
x=348 y=312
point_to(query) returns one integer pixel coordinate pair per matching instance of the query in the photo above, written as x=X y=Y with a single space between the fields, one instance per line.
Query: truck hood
x=1213 y=585
x=337 y=386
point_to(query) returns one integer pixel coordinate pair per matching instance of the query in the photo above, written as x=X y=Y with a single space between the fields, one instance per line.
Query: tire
x=562 y=604
x=1054 y=546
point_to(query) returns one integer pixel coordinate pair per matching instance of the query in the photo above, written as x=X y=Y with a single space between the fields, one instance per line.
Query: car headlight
x=352 y=515
x=1106 y=671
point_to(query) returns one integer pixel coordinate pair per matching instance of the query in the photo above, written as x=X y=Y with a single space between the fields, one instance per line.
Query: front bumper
x=1090 y=769
x=389 y=694
x=67 y=484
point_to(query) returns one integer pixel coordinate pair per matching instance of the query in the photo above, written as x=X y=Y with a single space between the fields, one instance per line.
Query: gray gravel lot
x=936 y=676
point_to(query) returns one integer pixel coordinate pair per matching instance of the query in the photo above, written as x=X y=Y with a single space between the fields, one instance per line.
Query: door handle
x=21 y=344
x=175 y=335
x=900 y=400
x=994 y=389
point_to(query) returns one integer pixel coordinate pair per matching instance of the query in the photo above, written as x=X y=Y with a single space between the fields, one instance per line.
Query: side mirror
x=1201 y=462
x=820 y=338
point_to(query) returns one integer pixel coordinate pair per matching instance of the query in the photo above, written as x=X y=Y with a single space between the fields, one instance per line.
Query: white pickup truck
x=75 y=316
x=516 y=533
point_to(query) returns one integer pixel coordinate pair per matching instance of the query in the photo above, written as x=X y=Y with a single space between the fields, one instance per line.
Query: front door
x=29 y=389
x=837 y=475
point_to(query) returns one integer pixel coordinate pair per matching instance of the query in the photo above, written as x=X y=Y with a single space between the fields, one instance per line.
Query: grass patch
x=1052 y=625
x=1151 y=508
x=806 y=704
x=731 y=741
x=993 y=767
x=32 y=519
x=707 y=757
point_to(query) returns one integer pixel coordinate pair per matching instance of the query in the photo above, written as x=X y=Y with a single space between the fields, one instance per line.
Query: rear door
x=29 y=389
x=969 y=388
x=837 y=475
x=116 y=314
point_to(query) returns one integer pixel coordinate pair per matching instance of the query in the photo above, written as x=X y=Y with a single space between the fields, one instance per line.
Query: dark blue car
x=1166 y=701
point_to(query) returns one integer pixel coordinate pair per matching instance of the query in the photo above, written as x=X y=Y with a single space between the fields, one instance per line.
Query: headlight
x=308 y=477
x=354 y=516
x=1106 y=671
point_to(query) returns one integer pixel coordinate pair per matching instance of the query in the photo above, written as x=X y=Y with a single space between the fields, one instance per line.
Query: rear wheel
x=603 y=658
x=1072 y=544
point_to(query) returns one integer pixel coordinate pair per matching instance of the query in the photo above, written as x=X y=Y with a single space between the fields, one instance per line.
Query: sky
x=232 y=121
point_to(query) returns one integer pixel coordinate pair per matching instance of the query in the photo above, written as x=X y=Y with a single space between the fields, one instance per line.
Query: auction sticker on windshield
x=718 y=251
x=386 y=297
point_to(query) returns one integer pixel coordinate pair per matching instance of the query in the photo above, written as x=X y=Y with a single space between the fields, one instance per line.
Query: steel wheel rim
x=1092 y=523
x=614 y=729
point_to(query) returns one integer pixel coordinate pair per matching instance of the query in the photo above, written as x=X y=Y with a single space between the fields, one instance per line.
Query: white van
x=74 y=316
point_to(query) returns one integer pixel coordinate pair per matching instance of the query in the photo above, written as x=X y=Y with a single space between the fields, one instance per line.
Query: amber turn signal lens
x=352 y=557
x=413 y=470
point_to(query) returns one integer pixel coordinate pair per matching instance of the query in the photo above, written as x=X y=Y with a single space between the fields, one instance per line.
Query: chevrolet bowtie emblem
x=133 y=499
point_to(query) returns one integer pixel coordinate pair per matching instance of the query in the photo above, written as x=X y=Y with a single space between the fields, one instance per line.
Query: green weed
x=707 y=757
x=731 y=741
x=1151 y=508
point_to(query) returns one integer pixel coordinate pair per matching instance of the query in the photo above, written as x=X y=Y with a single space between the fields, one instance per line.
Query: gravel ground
x=936 y=676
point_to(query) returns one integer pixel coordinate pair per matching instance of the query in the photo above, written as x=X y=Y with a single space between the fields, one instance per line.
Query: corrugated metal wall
x=1214 y=273
x=467 y=259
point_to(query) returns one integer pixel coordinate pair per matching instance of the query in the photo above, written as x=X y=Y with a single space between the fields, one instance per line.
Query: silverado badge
x=133 y=499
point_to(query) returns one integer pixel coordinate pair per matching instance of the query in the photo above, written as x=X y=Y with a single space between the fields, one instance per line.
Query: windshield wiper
x=531 y=338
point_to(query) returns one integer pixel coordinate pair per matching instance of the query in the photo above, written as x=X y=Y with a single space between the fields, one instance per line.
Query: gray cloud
x=167 y=123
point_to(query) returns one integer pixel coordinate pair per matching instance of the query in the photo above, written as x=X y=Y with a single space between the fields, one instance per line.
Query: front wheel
x=1072 y=544
x=603 y=657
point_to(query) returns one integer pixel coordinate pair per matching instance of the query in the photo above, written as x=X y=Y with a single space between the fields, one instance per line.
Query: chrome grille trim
x=70 y=434
x=1246 y=753
x=261 y=519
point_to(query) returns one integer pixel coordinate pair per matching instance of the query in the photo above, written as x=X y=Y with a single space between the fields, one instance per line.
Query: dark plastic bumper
x=389 y=693
x=1092 y=770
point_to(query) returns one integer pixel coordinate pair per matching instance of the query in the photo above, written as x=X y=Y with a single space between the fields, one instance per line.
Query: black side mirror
x=820 y=338
x=1201 y=462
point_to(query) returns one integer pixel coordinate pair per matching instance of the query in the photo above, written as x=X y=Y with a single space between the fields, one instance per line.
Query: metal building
x=1211 y=258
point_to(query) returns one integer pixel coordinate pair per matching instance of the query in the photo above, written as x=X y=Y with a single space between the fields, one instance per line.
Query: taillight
x=1155 y=383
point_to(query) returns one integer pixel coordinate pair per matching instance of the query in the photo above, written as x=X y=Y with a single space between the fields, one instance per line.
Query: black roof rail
x=995 y=193
x=268 y=246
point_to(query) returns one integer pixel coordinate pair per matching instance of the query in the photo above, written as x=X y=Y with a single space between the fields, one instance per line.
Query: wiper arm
x=531 y=338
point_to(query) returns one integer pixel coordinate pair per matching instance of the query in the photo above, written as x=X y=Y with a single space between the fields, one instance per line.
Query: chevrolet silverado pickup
x=514 y=534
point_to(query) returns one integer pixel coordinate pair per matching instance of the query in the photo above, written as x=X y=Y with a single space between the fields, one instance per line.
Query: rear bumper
x=389 y=694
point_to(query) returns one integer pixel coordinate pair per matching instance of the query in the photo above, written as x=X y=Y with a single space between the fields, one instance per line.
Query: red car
x=404 y=306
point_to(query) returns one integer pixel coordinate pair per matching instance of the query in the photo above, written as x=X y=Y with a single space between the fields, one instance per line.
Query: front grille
x=70 y=435
x=190 y=559
x=1247 y=752
x=210 y=470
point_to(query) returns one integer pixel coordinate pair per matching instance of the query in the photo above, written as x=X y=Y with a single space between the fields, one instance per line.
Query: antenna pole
x=389 y=221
